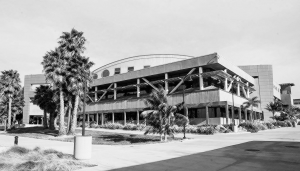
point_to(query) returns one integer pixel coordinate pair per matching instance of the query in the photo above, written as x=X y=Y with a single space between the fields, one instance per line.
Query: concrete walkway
x=277 y=149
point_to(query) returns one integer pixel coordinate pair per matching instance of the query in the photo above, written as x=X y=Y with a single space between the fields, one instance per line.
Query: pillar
x=166 y=83
x=207 y=115
x=102 y=119
x=97 y=118
x=246 y=119
x=113 y=117
x=240 y=115
x=232 y=115
x=124 y=118
x=138 y=88
x=96 y=89
x=201 y=78
x=248 y=90
x=227 y=114
x=88 y=121
x=137 y=117
x=218 y=112
x=115 y=91
x=238 y=89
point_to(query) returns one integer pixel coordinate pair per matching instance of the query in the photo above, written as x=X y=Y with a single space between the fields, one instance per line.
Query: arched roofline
x=139 y=56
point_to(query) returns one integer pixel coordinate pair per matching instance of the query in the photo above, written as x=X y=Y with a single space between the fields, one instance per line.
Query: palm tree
x=273 y=107
x=252 y=102
x=77 y=75
x=159 y=114
x=10 y=84
x=55 y=65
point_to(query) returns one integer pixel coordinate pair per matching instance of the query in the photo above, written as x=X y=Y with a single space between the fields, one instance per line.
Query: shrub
x=130 y=127
x=250 y=126
x=285 y=123
x=110 y=125
x=269 y=125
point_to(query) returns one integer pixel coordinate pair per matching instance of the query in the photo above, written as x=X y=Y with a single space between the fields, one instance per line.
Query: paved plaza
x=277 y=149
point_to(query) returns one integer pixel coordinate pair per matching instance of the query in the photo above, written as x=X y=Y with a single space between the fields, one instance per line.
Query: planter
x=235 y=128
x=82 y=147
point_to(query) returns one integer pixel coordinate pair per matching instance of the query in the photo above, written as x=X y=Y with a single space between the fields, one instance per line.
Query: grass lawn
x=99 y=137
x=20 y=158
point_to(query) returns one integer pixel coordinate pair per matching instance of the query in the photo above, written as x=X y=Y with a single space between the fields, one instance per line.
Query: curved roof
x=142 y=57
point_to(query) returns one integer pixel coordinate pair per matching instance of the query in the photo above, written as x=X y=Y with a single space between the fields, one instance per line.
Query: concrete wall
x=264 y=85
x=30 y=83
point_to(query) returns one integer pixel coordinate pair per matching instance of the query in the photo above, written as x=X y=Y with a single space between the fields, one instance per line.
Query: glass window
x=117 y=71
x=130 y=69
x=105 y=73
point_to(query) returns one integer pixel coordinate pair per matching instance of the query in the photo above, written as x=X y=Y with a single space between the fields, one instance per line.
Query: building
x=286 y=94
x=266 y=88
x=296 y=102
x=213 y=89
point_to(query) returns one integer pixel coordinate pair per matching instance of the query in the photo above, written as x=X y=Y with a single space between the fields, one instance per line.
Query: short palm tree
x=55 y=65
x=159 y=114
x=252 y=102
x=273 y=107
x=10 y=85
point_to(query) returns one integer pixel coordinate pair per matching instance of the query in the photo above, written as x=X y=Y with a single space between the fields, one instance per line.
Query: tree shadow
x=253 y=155
x=36 y=130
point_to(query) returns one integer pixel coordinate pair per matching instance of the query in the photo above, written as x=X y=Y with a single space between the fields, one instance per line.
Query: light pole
x=83 y=109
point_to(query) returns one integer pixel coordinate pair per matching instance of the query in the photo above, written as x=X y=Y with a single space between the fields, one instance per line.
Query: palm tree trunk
x=251 y=117
x=160 y=127
x=45 y=119
x=62 y=130
x=9 y=113
x=5 y=124
x=273 y=115
x=74 y=117
x=69 y=115
x=166 y=136
x=51 y=124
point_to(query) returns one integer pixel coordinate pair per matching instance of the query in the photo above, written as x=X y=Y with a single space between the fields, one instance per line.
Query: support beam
x=150 y=84
x=102 y=119
x=90 y=98
x=97 y=118
x=182 y=81
x=124 y=118
x=138 y=91
x=207 y=114
x=96 y=89
x=227 y=114
x=240 y=115
x=201 y=87
x=225 y=84
x=137 y=117
x=244 y=91
x=230 y=85
x=248 y=90
x=238 y=89
x=105 y=92
x=113 y=118
x=166 y=83
x=115 y=91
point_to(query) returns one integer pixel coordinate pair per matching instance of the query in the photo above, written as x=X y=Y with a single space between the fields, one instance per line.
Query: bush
x=269 y=125
x=130 y=127
x=110 y=125
x=250 y=126
x=196 y=129
x=285 y=123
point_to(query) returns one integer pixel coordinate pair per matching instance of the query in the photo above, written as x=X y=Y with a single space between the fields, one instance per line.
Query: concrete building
x=286 y=94
x=266 y=88
x=296 y=102
x=214 y=89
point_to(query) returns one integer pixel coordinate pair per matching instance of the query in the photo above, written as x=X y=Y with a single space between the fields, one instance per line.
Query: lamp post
x=83 y=109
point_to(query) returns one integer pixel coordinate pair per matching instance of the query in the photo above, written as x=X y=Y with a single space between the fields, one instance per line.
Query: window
x=130 y=69
x=105 y=73
x=147 y=66
x=117 y=71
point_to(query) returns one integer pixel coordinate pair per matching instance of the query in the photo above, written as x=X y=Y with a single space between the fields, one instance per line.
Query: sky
x=244 y=32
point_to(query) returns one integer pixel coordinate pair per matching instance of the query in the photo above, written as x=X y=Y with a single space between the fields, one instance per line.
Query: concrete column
x=207 y=115
x=137 y=117
x=88 y=119
x=248 y=91
x=97 y=118
x=246 y=119
x=227 y=114
x=138 y=88
x=218 y=112
x=96 y=89
x=102 y=119
x=124 y=118
x=167 y=83
x=115 y=91
x=240 y=115
x=201 y=78
x=232 y=114
x=238 y=89
x=113 y=117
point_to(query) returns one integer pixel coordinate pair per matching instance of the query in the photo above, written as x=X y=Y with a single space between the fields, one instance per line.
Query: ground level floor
x=209 y=114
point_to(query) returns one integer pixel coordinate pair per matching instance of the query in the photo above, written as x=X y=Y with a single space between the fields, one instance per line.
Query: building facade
x=213 y=89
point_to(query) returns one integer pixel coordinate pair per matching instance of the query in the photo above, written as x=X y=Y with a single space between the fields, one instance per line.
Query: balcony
x=194 y=99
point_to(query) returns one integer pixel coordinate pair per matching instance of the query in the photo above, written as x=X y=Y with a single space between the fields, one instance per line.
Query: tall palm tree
x=273 y=107
x=78 y=74
x=55 y=65
x=252 y=102
x=10 y=84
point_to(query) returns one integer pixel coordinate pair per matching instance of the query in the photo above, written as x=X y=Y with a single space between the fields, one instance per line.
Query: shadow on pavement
x=252 y=156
